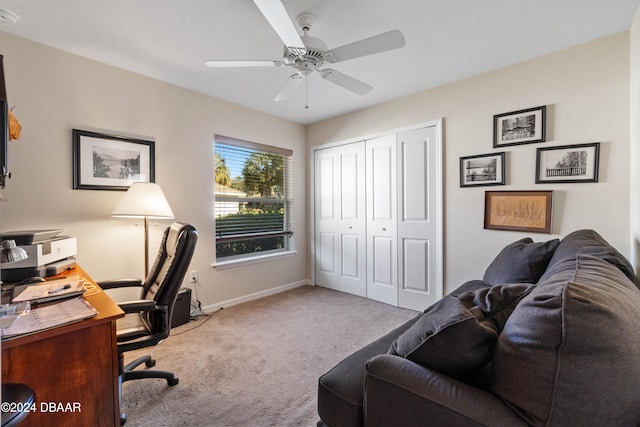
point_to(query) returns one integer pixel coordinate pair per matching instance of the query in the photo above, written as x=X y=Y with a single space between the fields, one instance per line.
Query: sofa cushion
x=569 y=353
x=589 y=242
x=457 y=336
x=522 y=261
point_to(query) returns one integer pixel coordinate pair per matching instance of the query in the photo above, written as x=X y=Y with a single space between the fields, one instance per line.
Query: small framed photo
x=110 y=162
x=568 y=163
x=483 y=169
x=519 y=127
x=518 y=210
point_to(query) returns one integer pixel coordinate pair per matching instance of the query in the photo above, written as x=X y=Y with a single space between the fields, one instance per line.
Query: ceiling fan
x=308 y=54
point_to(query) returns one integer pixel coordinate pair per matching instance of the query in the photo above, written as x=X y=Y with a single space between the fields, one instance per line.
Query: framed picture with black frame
x=110 y=162
x=568 y=163
x=520 y=127
x=482 y=170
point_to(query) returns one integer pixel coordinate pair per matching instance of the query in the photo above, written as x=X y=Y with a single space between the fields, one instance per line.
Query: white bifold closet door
x=340 y=218
x=377 y=218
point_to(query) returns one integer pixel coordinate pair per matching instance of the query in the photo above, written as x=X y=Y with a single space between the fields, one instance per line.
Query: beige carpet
x=257 y=363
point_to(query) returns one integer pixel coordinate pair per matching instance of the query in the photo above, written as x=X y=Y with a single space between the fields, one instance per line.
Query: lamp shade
x=144 y=199
x=12 y=253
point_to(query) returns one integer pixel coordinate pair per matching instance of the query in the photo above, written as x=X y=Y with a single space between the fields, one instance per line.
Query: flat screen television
x=4 y=128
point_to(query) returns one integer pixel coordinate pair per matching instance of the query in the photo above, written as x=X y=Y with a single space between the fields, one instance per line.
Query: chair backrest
x=164 y=280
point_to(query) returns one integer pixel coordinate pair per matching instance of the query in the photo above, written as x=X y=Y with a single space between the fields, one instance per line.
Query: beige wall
x=55 y=92
x=586 y=90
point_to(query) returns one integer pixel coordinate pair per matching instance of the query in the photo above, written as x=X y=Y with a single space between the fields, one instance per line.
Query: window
x=253 y=205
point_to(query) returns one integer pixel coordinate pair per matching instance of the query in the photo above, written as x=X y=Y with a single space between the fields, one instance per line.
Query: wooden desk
x=73 y=369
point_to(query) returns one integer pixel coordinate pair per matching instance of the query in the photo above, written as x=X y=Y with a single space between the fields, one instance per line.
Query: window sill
x=240 y=262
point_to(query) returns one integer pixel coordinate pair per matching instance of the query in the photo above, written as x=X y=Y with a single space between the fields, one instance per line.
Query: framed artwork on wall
x=110 y=162
x=519 y=127
x=518 y=210
x=568 y=163
x=482 y=169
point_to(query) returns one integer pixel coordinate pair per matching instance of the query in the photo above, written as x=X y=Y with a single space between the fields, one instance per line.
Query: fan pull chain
x=306 y=93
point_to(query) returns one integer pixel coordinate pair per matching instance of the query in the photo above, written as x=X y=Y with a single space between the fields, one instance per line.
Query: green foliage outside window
x=251 y=202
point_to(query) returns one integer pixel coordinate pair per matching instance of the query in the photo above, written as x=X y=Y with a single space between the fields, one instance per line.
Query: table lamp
x=9 y=252
x=144 y=200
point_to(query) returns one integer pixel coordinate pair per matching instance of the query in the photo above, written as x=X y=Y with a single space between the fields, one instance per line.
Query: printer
x=48 y=254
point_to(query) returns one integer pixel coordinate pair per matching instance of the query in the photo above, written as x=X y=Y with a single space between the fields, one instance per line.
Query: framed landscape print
x=110 y=162
x=518 y=210
x=519 y=127
x=483 y=169
x=568 y=163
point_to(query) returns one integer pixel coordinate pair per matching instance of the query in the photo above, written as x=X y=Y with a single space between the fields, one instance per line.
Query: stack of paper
x=51 y=315
x=48 y=316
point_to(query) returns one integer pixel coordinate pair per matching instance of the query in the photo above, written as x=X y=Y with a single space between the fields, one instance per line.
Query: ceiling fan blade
x=289 y=87
x=376 y=44
x=276 y=14
x=242 y=63
x=347 y=82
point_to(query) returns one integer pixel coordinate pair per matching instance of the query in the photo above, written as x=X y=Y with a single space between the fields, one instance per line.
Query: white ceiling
x=446 y=40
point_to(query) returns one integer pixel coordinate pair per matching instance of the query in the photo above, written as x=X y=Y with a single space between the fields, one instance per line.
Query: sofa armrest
x=398 y=391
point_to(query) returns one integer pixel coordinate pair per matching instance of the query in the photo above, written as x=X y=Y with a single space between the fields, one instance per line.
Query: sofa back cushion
x=589 y=242
x=569 y=354
x=522 y=261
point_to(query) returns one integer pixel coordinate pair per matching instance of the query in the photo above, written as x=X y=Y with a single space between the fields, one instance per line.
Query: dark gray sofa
x=550 y=336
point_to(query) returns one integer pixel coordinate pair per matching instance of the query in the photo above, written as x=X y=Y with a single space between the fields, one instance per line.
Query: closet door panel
x=352 y=219
x=417 y=226
x=326 y=219
x=381 y=220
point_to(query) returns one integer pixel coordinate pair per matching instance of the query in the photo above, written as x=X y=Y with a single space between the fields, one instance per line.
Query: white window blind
x=253 y=188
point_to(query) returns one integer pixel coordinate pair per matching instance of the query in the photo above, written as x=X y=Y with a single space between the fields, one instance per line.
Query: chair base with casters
x=148 y=305
x=22 y=396
x=129 y=372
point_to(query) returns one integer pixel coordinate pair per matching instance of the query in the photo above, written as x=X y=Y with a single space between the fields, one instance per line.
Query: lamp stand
x=146 y=246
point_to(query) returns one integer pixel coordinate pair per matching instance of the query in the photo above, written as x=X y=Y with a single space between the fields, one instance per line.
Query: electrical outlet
x=193 y=276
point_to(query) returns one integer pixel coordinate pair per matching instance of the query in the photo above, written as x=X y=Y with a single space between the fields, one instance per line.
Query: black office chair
x=19 y=400
x=148 y=305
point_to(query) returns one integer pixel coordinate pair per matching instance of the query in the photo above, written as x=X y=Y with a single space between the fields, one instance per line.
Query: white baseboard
x=245 y=298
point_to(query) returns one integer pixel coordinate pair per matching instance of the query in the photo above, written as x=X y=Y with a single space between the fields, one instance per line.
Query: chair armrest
x=119 y=283
x=121 y=294
x=140 y=305
x=401 y=392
